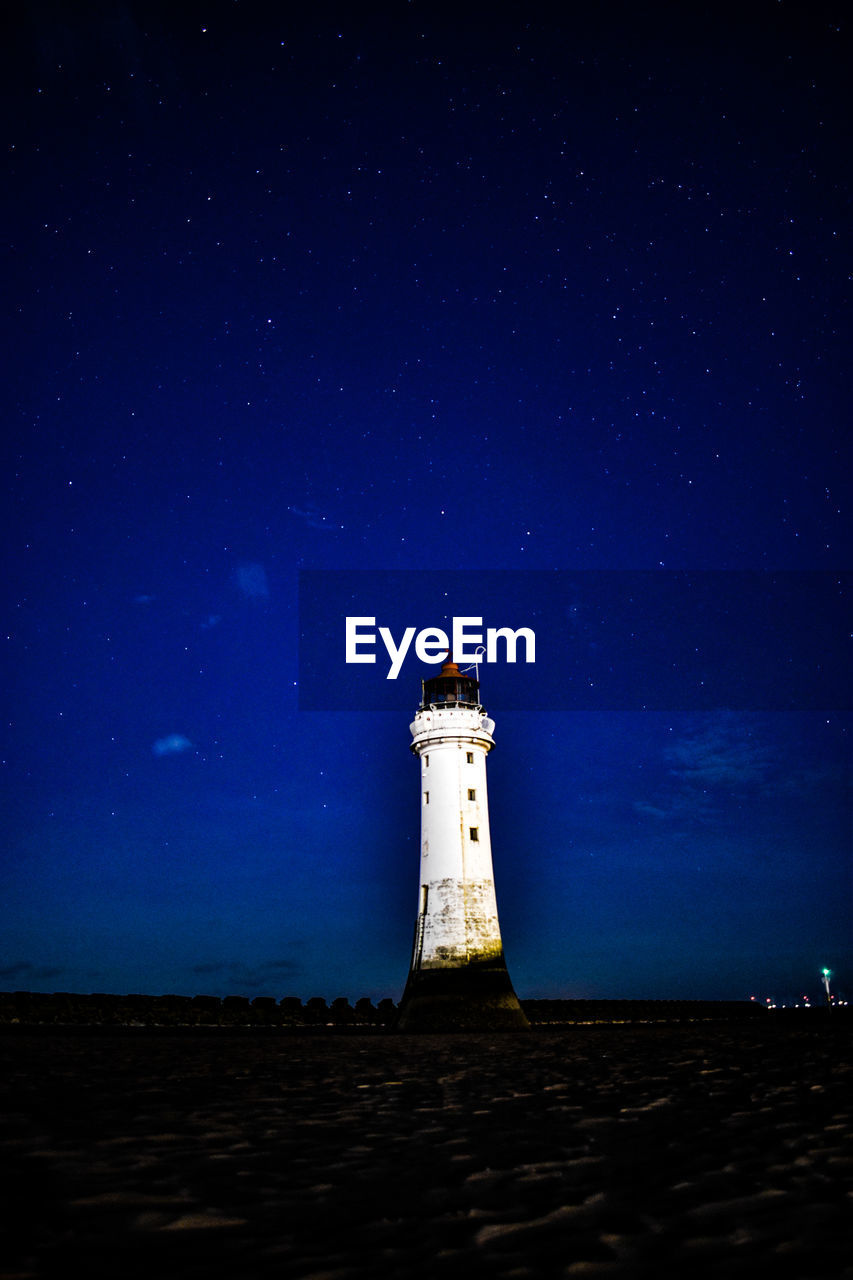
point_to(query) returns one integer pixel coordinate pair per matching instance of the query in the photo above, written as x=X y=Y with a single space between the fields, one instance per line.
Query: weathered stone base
x=472 y=997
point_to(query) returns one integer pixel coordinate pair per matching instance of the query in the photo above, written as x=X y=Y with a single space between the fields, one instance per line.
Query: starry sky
x=434 y=291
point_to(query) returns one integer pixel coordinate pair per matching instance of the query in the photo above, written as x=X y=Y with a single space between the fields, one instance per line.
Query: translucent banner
x=578 y=640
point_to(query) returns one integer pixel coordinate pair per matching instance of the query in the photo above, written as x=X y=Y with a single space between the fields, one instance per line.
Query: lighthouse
x=458 y=980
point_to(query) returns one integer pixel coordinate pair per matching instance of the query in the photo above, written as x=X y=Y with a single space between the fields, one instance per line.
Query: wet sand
x=685 y=1150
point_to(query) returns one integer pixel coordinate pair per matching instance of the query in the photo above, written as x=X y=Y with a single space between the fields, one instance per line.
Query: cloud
x=172 y=745
x=741 y=755
x=723 y=753
x=723 y=757
x=23 y=969
x=652 y=810
x=248 y=977
x=282 y=966
x=314 y=518
x=252 y=581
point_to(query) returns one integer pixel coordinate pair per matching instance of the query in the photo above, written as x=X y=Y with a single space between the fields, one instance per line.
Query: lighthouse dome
x=451 y=688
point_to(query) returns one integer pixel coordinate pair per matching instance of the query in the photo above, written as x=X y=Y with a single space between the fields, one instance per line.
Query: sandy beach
x=690 y=1149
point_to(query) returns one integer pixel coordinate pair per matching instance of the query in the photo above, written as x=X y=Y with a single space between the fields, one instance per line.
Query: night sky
x=397 y=287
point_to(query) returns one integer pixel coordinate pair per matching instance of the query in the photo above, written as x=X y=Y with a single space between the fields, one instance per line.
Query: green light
x=826 y=972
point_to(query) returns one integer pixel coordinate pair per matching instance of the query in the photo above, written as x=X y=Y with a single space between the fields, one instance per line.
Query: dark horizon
x=63 y=1009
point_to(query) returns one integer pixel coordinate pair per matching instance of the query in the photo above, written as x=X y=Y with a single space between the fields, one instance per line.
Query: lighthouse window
x=474 y=833
x=426 y=797
x=470 y=756
x=426 y=762
x=472 y=794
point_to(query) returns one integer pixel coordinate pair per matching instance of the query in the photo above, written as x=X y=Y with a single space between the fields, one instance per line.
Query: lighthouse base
x=472 y=997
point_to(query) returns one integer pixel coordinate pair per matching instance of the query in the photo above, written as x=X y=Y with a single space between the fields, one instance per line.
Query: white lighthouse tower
x=458 y=978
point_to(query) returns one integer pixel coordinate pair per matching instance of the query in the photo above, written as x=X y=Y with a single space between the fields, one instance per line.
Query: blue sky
x=391 y=287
